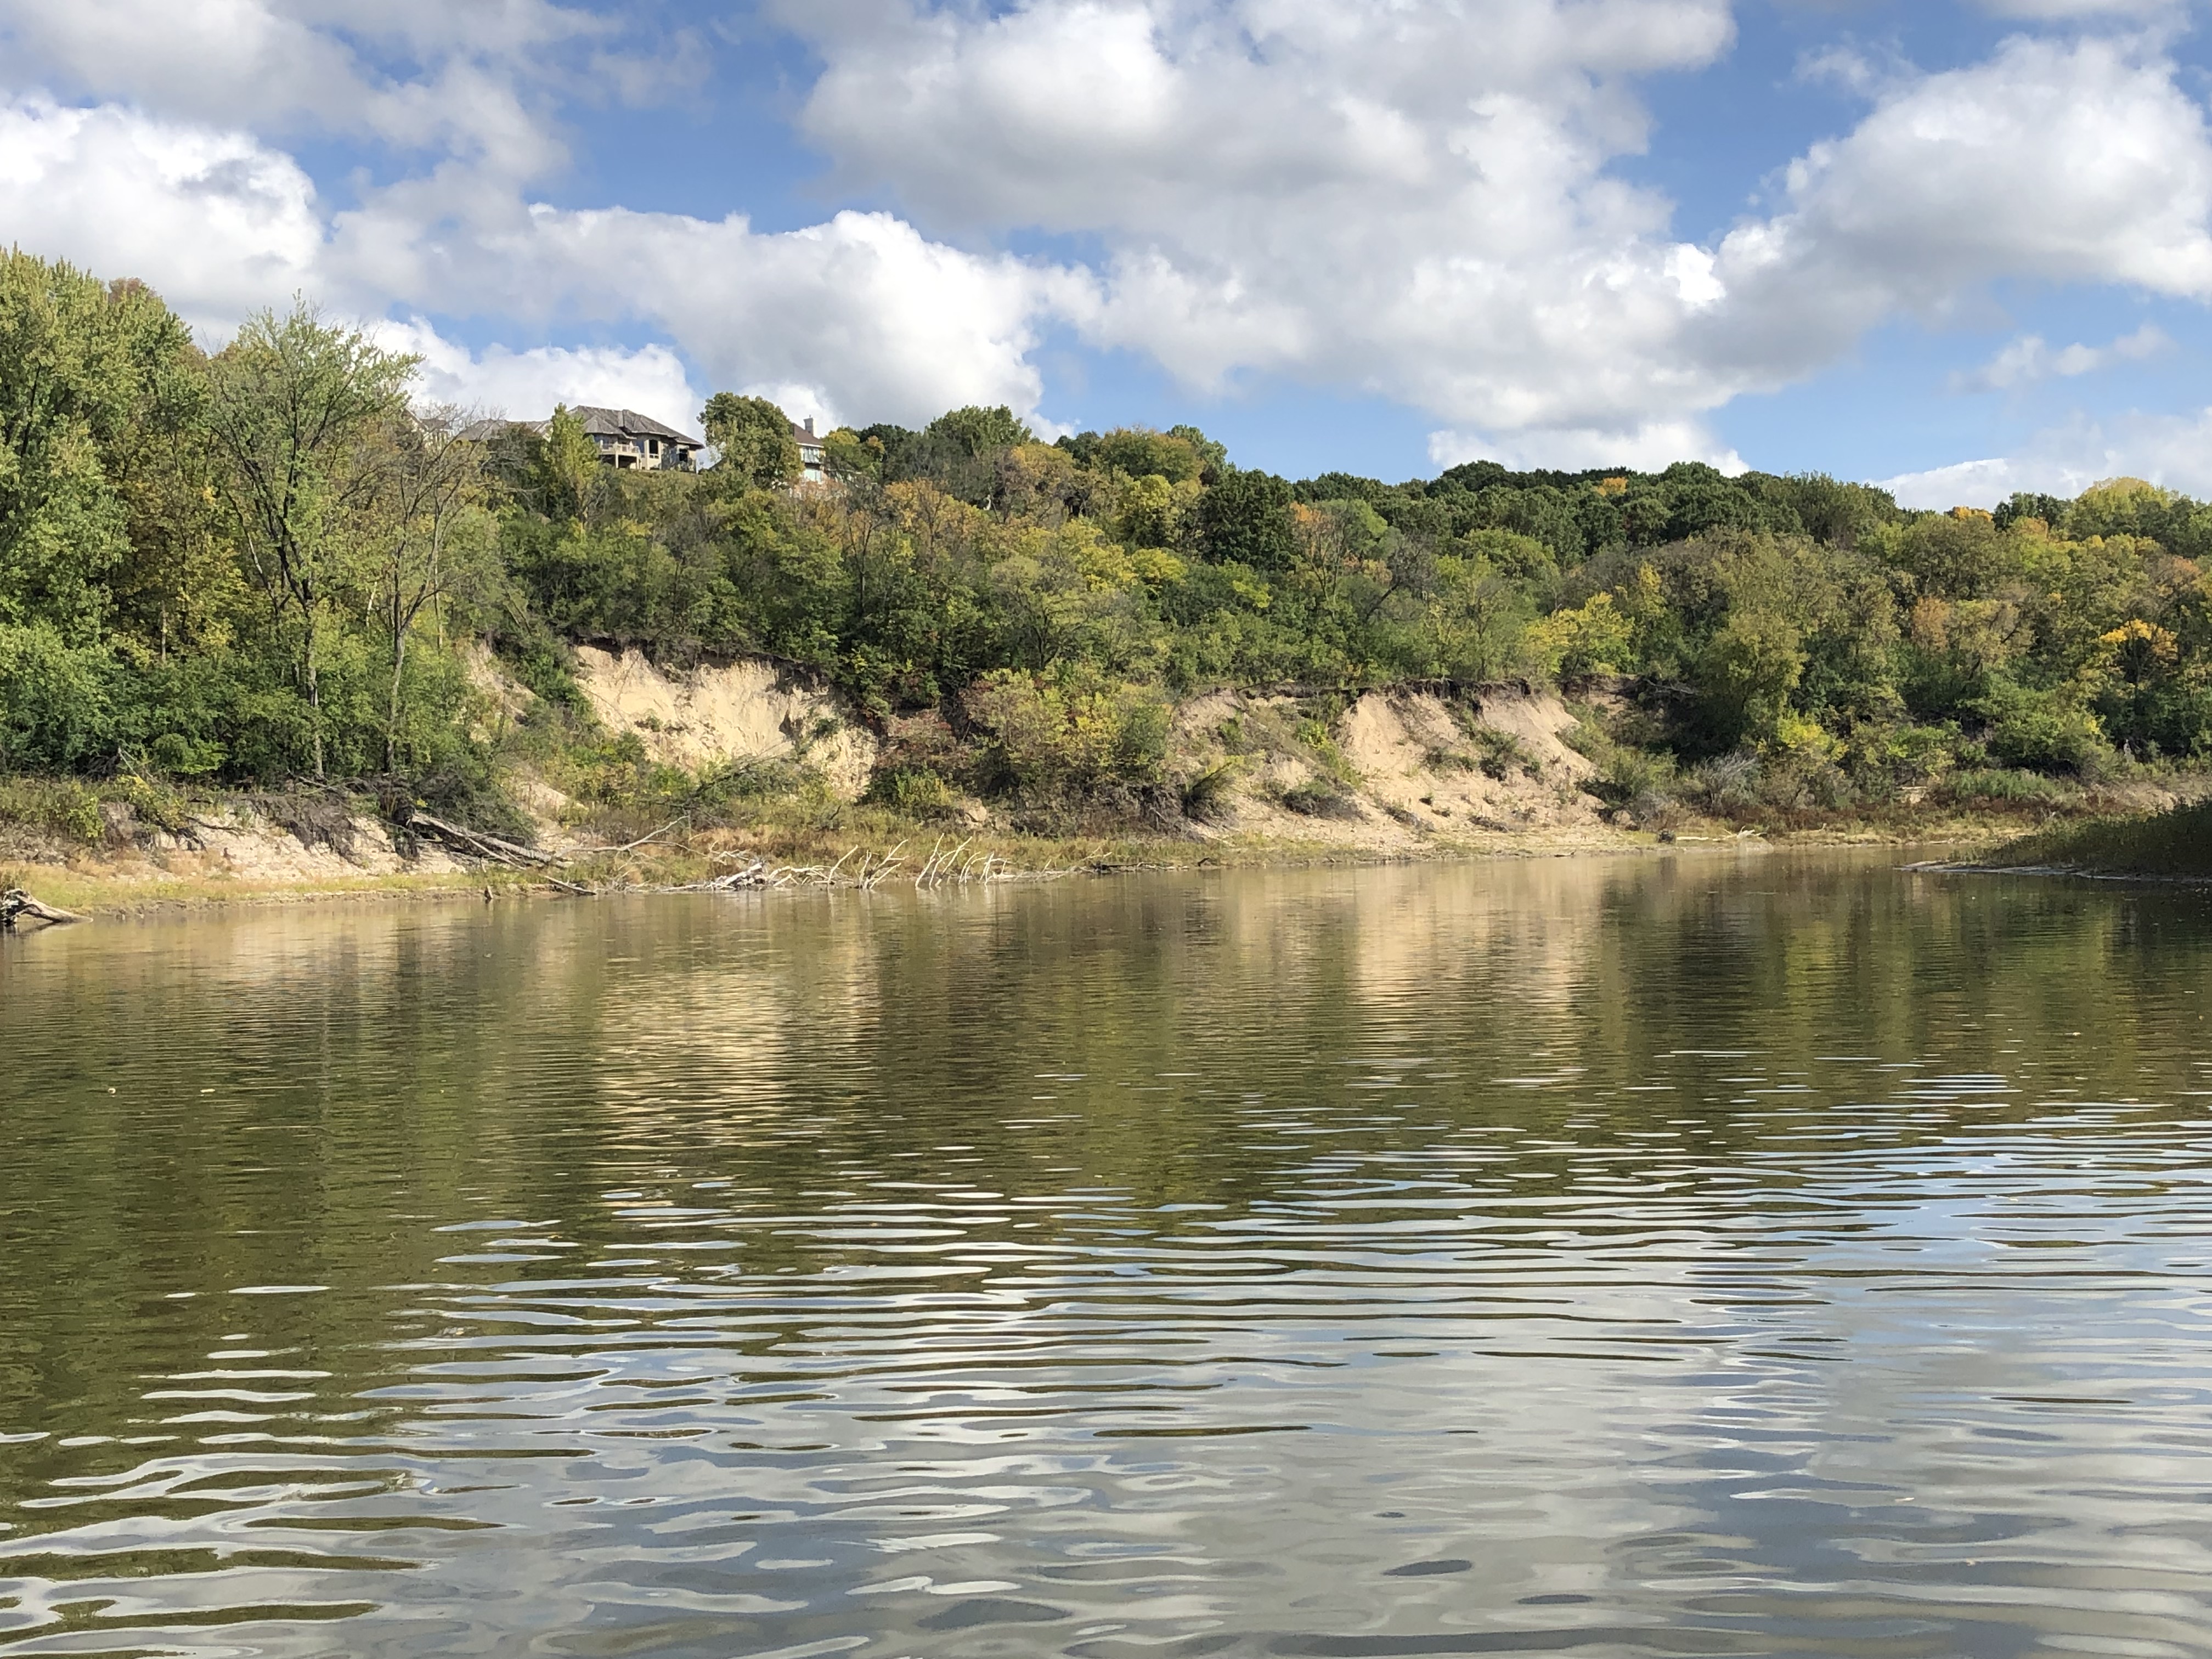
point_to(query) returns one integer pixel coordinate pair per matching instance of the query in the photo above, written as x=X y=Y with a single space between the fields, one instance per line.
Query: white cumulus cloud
x=1413 y=202
x=221 y=223
x=2172 y=450
x=861 y=315
x=1422 y=201
x=528 y=385
x=429 y=74
x=2029 y=359
x=2070 y=161
x=1650 y=448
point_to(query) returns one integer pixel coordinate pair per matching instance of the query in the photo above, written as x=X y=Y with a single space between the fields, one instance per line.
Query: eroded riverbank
x=251 y=858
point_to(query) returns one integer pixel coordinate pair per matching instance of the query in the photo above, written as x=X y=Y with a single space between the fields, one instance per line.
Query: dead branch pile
x=943 y=866
x=477 y=844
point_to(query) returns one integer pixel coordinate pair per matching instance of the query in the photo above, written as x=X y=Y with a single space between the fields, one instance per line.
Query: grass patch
x=1497 y=755
x=2001 y=786
x=2176 y=845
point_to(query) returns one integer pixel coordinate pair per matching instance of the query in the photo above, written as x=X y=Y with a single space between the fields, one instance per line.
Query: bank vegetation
x=273 y=576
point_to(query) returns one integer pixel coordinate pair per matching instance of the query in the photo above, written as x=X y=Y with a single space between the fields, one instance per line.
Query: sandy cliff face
x=1506 y=769
x=1400 y=771
x=241 y=841
x=713 y=715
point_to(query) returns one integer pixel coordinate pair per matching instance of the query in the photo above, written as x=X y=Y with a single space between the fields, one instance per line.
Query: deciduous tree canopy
x=274 y=561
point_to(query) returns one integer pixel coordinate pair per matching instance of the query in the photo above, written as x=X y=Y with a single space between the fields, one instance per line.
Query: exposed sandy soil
x=509 y=697
x=1410 y=776
x=713 y=715
x=235 y=843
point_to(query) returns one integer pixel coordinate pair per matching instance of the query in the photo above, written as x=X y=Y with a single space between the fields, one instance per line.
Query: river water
x=1700 y=1254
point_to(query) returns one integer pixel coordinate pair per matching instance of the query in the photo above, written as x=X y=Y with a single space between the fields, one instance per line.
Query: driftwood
x=17 y=903
x=631 y=846
x=477 y=844
x=943 y=867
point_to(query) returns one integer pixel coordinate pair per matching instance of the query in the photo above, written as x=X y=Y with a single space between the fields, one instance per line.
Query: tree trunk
x=391 y=715
x=314 y=701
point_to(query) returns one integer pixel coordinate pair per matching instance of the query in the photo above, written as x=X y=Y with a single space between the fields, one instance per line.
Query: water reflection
x=1700 y=1256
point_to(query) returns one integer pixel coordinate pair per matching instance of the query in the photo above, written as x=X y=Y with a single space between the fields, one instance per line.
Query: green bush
x=57 y=710
x=1209 y=797
x=61 y=807
x=914 y=790
x=1071 y=731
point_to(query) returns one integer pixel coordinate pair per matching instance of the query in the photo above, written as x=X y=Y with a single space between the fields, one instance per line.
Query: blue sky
x=1965 y=247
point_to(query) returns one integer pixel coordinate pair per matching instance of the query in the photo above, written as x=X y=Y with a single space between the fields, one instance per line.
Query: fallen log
x=17 y=903
x=631 y=846
x=477 y=844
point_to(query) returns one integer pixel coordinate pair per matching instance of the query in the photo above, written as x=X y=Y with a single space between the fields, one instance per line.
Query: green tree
x=1245 y=519
x=1832 y=512
x=565 y=470
x=976 y=432
x=1212 y=458
x=1703 y=499
x=1142 y=453
x=754 y=439
x=294 y=407
x=430 y=535
x=56 y=707
x=84 y=369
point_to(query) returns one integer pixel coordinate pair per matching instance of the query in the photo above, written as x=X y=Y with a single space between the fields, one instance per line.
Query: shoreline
x=2062 y=871
x=111 y=889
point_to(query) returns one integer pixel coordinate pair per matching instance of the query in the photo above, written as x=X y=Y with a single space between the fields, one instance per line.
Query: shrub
x=914 y=790
x=1320 y=799
x=1070 y=732
x=62 y=807
x=1208 y=797
x=1729 y=781
x=1499 y=754
x=2046 y=737
x=55 y=708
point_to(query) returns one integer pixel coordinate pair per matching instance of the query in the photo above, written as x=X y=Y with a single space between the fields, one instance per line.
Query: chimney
x=810 y=426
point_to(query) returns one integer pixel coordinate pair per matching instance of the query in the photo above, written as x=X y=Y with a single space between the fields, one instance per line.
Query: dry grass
x=128 y=887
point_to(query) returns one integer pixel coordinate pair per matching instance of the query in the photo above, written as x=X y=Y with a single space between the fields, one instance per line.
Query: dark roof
x=627 y=423
x=805 y=439
x=597 y=422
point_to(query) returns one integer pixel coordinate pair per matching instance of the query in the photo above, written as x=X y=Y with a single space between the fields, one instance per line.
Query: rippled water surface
x=1782 y=1256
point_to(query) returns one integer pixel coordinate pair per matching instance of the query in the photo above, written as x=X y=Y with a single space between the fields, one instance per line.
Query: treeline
x=271 y=563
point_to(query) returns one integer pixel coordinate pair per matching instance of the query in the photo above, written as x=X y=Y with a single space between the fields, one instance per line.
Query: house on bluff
x=623 y=437
x=813 y=467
